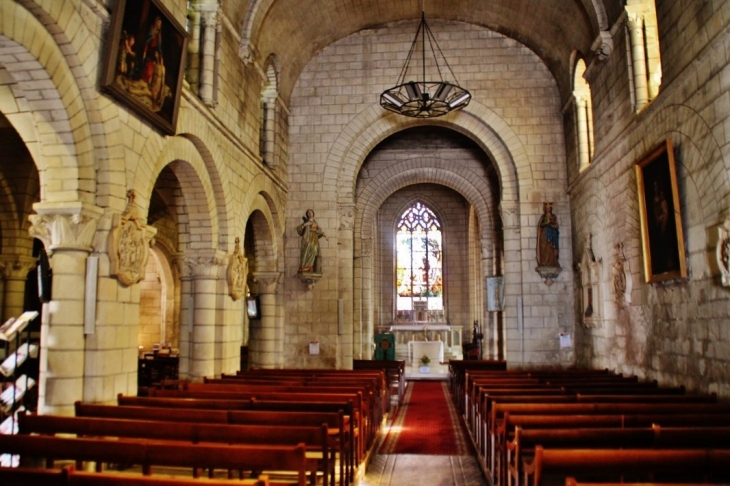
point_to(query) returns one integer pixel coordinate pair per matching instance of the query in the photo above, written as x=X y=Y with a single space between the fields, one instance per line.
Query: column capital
x=267 y=281
x=16 y=267
x=347 y=215
x=603 y=45
x=65 y=226
x=204 y=265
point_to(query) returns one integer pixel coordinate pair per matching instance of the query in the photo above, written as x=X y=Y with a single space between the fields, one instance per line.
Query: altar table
x=433 y=349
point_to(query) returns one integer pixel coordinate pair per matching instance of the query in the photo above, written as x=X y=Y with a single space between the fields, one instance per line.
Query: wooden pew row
x=498 y=452
x=693 y=465
x=352 y=422
x=315 y=438
x=395 y=373
x=285 y=402
x=499 y=429
x=372 y=404
x=335 y=421
x=571 y=481
x=502 y=396
x=149 y=454
x=522 y=447
x=69 y=476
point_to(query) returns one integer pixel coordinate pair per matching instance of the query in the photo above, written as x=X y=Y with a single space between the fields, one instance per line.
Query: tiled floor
x=422 y=470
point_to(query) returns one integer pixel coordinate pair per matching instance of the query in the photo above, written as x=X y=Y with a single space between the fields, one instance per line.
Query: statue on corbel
x=590 y=276
x=310 y=259
x=129 y=244
x=548 y=246
x=237 y=272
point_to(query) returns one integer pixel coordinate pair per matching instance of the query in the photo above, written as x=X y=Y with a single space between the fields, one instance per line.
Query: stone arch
x=419 y=171
x=275 y=208
x=69 y=137
x=207 y=229
x=254 y=15
x=476 y=121
x=265 y=243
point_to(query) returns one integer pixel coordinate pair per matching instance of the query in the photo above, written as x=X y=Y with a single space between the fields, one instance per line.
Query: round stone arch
x=265 y=242
x=75 y=162
x=418 y=171
x=476 y=121
x=266 y=190
x=188 y=165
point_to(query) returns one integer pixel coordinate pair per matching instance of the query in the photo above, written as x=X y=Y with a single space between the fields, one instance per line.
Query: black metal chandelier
x=425 y=99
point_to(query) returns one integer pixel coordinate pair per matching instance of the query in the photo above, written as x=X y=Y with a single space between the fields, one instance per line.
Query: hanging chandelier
x=425 y=99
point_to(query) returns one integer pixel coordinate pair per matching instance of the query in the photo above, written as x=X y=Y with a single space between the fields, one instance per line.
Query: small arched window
x=419 y=258
x=584 y=115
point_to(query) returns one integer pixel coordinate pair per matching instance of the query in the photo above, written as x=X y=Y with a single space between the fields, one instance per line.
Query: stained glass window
x=419 y=257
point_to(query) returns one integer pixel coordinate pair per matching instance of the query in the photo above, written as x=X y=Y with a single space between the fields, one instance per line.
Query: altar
x=449 y=336
x=433 y=349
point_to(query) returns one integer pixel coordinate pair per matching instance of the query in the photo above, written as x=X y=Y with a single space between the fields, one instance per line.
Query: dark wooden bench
x=335 y=421
x=149 y=453
x=395 y=372
x=696 y=465
x=68 y=476
x=522 y=446
x=315 y=438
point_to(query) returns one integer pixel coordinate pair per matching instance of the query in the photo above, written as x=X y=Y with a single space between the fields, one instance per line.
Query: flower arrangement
x=425 y=360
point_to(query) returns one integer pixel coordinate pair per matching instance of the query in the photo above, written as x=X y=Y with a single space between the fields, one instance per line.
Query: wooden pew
x=352 y=423
x=315 y=438
x=523 y=445
x=335 y=421
x=160 y=453
x=68 y=476
x=696 y=465
x=395 y=372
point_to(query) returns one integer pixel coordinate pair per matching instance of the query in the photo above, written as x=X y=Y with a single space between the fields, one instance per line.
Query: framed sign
x=661 y=220
x=144 y=64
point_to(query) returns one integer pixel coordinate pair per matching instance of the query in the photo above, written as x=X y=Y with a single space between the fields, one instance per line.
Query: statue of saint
x=548 y=234
x=309 y=253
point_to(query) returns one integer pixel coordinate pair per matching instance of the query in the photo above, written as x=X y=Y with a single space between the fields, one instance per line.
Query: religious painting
x=661 y=220
x=145 y=61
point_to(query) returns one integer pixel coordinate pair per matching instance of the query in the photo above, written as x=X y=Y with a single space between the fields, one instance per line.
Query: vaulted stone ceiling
x=294 y=30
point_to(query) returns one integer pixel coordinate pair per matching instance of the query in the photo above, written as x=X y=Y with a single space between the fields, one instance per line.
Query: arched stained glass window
x=419 y=258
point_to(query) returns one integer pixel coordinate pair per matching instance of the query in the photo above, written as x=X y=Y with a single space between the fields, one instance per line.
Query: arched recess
x=72 y=145
x=265 y=335
x=208 y=224
x=158 y=302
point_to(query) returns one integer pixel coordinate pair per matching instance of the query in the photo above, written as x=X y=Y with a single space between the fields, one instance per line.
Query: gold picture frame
x=660 y=212
x=145 y=62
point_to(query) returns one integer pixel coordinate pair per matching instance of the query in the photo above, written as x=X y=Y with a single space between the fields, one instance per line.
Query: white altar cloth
x=432 y=349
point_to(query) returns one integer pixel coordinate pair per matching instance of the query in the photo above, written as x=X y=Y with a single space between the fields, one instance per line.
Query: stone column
x=15 y=274
x=345 y=284
x=193 y=60
x=209 y=16
x=67 y=233
x=513 y=335
x=367 y=334
x=264 y=335
x=187 y=319
x=581 y=109
x=206 y=273
x=638 y=56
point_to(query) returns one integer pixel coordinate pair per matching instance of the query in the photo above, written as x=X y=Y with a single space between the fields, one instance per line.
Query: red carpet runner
x=426 y=423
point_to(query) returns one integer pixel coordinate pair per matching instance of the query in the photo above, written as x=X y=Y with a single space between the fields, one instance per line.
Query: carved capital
x=603 y=45
x=16 y=267
x=129 y=244
x=237 y=272
x=509 y=210
x=205 y=266
x=267 y=281
x=208 y=13
x=65 y=226
x=247 y=52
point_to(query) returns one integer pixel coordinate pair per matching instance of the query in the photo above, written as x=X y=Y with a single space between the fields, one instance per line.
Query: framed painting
x=661 y=220
x=145 y=61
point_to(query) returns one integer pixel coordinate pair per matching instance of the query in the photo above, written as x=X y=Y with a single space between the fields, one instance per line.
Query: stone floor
x=421 y=470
